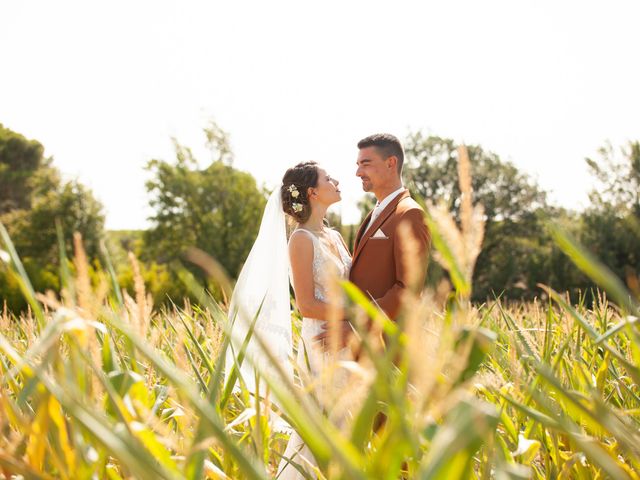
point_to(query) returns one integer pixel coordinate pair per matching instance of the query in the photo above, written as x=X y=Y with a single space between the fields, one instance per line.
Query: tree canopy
x=32 y=200
x=216 y=209
x=506 y=193
x=515 y=244
x=211 y=205
x=24 y=171
x=611 y=224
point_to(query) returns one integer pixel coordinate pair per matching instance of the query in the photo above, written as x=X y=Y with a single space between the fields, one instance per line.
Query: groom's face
x=372 y=169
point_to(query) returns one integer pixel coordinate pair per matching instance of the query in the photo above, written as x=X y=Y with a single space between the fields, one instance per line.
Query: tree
x=34 y=235
x=515 y=246
x=618 y=173
x=506 y=193
x=24 y=171
x=74 y=207
x=216 y=209
x=611 y=225
x=32 y=200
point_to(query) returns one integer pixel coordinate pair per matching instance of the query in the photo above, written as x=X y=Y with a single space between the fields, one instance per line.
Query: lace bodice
x=325 y=261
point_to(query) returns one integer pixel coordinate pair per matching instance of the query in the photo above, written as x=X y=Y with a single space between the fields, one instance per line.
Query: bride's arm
x=301 y=256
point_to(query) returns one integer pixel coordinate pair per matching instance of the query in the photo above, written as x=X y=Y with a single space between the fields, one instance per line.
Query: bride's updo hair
x=295 y=184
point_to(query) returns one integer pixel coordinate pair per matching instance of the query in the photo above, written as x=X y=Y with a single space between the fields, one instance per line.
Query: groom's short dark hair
x=388 y=145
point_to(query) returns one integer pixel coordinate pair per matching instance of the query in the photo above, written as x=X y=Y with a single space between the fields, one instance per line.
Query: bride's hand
x=344 y=332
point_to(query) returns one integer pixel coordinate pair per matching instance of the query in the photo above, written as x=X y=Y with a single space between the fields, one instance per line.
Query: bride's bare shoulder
x=300 y=239
x=300 y=249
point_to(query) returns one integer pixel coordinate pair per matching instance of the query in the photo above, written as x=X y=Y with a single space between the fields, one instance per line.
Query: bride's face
x=327 y=191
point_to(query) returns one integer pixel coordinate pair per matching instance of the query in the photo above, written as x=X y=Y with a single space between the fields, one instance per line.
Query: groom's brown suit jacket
x=383 y=268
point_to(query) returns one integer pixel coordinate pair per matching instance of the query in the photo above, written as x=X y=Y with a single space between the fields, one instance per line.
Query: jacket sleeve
x=412 y=241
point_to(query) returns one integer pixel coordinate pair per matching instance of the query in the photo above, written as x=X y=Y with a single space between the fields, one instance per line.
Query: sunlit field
x=97 y=383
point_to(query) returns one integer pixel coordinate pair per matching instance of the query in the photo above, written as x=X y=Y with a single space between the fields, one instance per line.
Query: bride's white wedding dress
x=330 y=258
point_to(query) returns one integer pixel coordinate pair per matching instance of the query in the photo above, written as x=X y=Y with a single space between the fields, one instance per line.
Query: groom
x=392 y=245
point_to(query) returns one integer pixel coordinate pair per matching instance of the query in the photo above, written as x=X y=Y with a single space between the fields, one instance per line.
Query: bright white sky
x=104 y=86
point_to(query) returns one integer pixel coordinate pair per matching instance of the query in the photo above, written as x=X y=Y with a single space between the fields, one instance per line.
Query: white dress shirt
x=380 y=206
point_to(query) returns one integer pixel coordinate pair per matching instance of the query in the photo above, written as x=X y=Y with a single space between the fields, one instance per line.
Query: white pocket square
x=379 y=234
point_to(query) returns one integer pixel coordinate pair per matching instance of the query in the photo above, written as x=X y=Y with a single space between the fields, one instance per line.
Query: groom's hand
x=344 y=331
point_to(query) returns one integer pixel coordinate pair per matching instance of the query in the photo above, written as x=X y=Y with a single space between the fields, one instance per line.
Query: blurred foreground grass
x=96 y=384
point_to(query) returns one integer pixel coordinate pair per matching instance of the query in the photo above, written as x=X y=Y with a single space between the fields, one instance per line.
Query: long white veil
x=263 y=280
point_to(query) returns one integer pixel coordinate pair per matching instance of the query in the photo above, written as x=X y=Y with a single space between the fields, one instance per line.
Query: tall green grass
x=95 y=383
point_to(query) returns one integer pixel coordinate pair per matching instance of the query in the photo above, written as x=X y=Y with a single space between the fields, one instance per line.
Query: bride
x=313 y=256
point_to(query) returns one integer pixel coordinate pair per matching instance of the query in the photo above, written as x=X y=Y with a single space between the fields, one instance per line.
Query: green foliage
x=618 y=173
x=517 y=247
x=32 y=201
x=112 y=390
x=611 y=225
x=518 y=251
x=74 y=207
x=24 y=172
x=216 y=209
x=507 y=194
x=612 y=236
x=160 y=281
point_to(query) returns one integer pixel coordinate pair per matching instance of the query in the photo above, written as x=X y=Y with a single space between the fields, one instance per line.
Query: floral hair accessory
x=297 y=207
x=293 y=190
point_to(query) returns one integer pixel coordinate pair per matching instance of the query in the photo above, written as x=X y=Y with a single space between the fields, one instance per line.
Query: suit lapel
x=362 y=239
x=361 y=230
